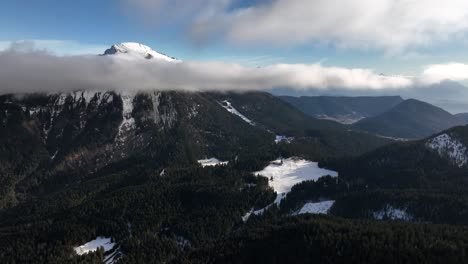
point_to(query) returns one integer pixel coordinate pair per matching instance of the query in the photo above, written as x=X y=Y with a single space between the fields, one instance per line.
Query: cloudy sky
x=314 y=46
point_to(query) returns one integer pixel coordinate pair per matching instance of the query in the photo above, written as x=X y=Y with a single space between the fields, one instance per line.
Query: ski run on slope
x=283 y=174
x=316 y=208
x=211 y=162
x=449 y=147
x=228 y=106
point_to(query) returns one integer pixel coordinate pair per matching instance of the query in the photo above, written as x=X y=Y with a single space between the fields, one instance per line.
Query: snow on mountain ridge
x=134 y=48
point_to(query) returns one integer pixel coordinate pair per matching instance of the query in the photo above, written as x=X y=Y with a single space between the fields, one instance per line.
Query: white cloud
x=35 y=71
x=450 y=71
x=392 y=25
x=24 y=68
x=387 y=24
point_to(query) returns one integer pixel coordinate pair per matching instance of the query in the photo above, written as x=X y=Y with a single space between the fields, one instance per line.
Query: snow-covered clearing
x=316 y=208
x=93 y=245
x=211 y=162
x=283 y=174
x=228 y=106
x=449 y=147
x=392 y=213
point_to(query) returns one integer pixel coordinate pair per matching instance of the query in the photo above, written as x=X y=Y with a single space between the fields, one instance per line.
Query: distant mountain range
x=410 y=119
x=449 y=95
x=463 y=117
x=388 y=116
x=346 y=110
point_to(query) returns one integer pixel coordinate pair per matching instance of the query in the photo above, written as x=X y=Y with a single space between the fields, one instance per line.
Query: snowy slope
x=228 y=106
x=449 y=147
x=137 y=50
x=128 y=122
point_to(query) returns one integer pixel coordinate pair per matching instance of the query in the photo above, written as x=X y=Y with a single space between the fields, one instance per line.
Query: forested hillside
x=126 y=167
x=411 y=119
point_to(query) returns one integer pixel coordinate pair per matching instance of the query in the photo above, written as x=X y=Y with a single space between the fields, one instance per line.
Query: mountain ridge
x=343 y=109
x=410 y=119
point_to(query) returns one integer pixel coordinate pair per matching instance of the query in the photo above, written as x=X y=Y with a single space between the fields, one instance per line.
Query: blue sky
x=91 y=26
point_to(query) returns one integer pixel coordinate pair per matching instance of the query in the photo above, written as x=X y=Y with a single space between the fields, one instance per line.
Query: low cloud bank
x=38 y=71
x=450 y=71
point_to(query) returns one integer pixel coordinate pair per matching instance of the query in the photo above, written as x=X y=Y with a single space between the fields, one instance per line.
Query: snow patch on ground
x=285 y=139
x=228 y=106
x=211 y=162
x=283 y=174
x=93 y=245
x=392 y=213
x=316 y=208
x=449 y=147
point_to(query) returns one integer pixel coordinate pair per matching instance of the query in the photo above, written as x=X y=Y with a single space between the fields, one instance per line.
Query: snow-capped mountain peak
x=139 y=50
